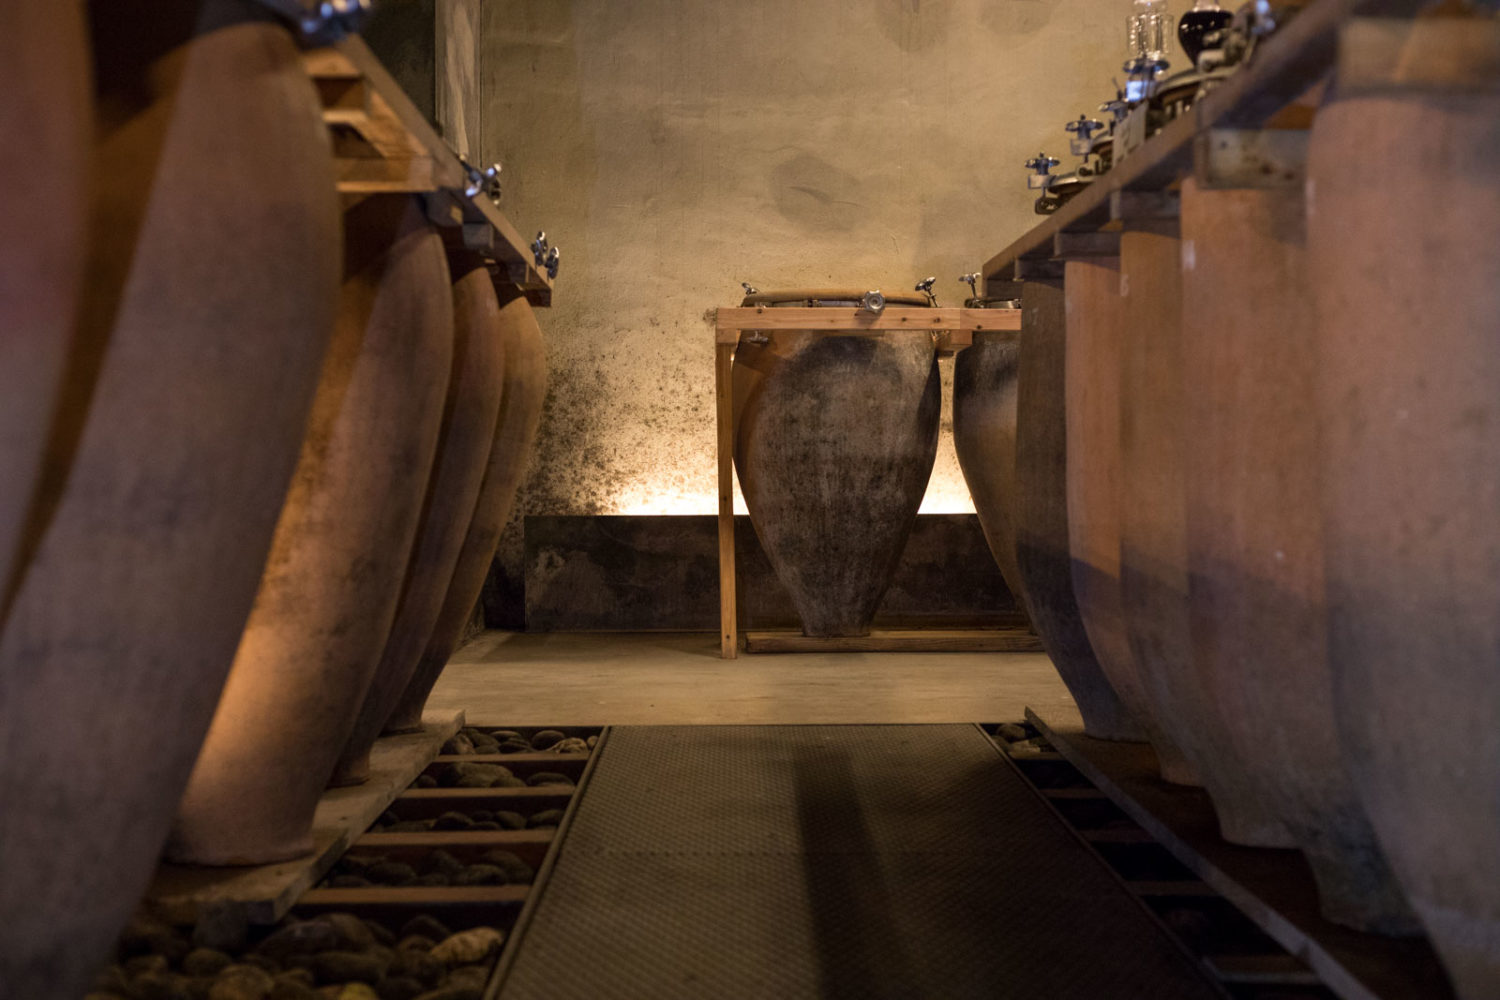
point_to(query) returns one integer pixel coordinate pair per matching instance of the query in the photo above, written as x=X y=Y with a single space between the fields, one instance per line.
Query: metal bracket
x=1225 y=158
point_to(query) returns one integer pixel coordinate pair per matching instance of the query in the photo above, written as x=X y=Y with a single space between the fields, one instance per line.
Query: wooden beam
x=724 y=407
x=992 y=640
x=852 y=321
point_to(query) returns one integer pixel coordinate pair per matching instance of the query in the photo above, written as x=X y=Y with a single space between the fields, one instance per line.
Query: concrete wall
x=674 y=148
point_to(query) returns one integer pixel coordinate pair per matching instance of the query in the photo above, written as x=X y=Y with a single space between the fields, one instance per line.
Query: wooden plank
x=264 y=893
x=857 y=321
x=455 y=838
x=379 y=176
x=414 y=895
x=899 y=641
x=1274 y=888
x=724 y=407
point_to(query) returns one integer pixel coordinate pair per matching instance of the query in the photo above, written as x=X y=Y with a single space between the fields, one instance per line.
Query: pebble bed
x=332 y=956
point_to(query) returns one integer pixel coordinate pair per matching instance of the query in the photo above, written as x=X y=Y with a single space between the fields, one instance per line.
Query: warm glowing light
x=646 y=499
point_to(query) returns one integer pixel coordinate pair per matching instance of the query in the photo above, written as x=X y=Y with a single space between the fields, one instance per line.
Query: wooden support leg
x=728 y=627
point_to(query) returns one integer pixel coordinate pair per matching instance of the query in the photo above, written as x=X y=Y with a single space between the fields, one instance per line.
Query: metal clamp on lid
x=1040 y=165
x=1082 y=143
x=872 y=302
x=486 y=181
x=925 y=287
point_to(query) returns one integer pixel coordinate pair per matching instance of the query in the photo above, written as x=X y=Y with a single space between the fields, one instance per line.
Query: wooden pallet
x=978 y=640
x=383 y=145
x=180 y=893
x=952 y=330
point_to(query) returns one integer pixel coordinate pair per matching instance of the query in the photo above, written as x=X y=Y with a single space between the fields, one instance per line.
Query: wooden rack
x=383 y=145
x=1251 y=127
x=954 y=330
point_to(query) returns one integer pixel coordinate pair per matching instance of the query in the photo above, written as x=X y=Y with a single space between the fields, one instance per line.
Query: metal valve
x=972 y=280
x=872 y=302
x=925 y=287
x=749 y=289
x=554 y=259
x=1040 y=164
x=486 y=180
x=1141 y=76
x=539 y=248
x=1082 y=143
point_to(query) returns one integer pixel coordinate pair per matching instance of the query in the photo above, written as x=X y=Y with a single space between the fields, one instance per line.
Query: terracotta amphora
x=521 y=397
x=342 y=545
x=212 y=285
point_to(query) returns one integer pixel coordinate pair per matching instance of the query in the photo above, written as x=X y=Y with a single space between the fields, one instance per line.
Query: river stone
x=507 y=781
x=206 y=962
x=160 y=986
x=425 y=926
x=458 y=744
x=475 y=976
x=541 y=778
x=392 y=873
x=1011 y=733
x=350 y=991
x=112 y=979
x=242 y=982
x=454 y=993
x=466 y=775
x=265 y=963
x=442 y=861
x=592 y=741
x=571 y=745
x=303 y=977
x=353 y=935
x=469 y=946
x=293 y=989
x=517 y=872
x=222 y=927
x=425 y=781
x=546 y=738
x=300 y=937
x=399 y=988
x=145 y=936
x=146 y=965
x=347 y=967
x=510 y=820
x=515 y=746
x=349 y=882
x=416 y=942
x=410 y=826
x=434 y=879
x=380 y=933
x=452 y=821
x=414 y=963
x=480 y=875
x=487 y=825
x=547 y=817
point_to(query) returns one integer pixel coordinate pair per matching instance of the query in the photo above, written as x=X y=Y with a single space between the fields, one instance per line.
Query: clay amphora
x=521 y=397
x=1405 y=168
x=330 y=588
x=1042 y=515
x=834 y=443
x=1154 y=438
x=200 y=336
x=984 y=436
x=1095 y=340
x=44 y=203
x=1255 y=539
x=468 y=430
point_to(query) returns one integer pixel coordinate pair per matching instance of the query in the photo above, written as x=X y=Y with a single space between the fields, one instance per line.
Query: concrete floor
x=516 y=679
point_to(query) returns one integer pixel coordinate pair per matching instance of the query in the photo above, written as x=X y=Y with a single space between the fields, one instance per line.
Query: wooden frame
x=953 y=328
x=383 y=145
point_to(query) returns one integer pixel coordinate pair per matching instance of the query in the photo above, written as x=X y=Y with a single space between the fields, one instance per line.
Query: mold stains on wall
x=815 y=195
x=916 y=25
x=1018 y=17
x=675 y=148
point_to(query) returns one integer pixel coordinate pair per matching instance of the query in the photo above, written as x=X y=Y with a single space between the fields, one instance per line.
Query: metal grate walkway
x=792 y=862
